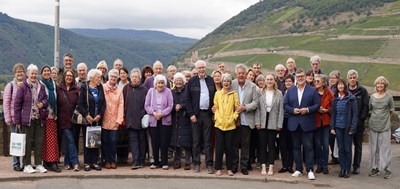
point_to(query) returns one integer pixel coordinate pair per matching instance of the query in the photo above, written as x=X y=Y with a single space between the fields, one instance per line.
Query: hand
x=321 y=110
x=296 y=111
x=97 y=118
x=19 y=83
x=9 y=123
x=333 y=132
x=278 y=129
x=193 y=119
x=350 y=133
x=258 y=127
x=89 y=119
x=303 y=111
x=39 y=105
x=178 y=107
x=213 y=109
x=160 y=115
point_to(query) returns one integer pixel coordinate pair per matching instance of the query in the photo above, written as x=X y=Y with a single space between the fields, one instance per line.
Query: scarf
x=111 y=88
x=52 y=97
x=34 y=91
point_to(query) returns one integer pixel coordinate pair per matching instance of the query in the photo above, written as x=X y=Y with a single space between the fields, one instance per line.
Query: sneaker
x=29 y=169
x=388 y=174
x=18 y=168
x=318 y=170
x=40 y=169
x=325 y=170
x=152 y=166
x=165 y=167
x=374 y=172
x=187 y=166
x=197 y=168
x=210 y=170
x=67 y=167
x=311 y=175
x=135 y=166
x=297 y=174
x=76 y=167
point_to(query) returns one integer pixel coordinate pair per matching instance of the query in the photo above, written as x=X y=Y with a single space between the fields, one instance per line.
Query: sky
x=185 y=18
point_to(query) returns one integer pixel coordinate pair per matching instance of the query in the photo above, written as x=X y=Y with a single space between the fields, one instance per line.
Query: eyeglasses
x=299 y=76
x=69 y=76
x=317 y=81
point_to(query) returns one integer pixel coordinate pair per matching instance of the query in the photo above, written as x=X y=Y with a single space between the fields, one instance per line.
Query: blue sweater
x=344 y=113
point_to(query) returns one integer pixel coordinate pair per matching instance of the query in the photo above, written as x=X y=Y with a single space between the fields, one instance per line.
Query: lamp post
x=57 y=35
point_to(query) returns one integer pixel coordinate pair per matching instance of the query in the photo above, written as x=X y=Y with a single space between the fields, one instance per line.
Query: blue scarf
x=52 y=97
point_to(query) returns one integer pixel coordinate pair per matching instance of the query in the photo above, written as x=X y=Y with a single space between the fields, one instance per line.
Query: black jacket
x=362 y=97
x=101 y=106
x=193 y=95
x=181 y=135
x=134 y=105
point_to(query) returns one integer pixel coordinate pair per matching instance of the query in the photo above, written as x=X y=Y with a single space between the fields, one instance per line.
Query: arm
x=315 y=102
x=354 y=118
x=7 y=103
x=188 y=97
x=170 y=102
x=236 y=99
x=147 y=104
x=333 y=115
x=364 y=105
x=281 y=111
x=82 y=104
x=254 y=100
x=18 y=105
x=43 y=98
x=120 y=116
x=288 y=108
x=216 y=105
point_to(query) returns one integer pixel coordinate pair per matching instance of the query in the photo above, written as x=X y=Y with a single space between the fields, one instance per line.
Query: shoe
x=152 y=166
x=87 y=167
x=245 y=172
x=177 y=166
x=325 y=170
x=271 y=170
x=165 y=167
x=356 y=171
x=258 y=165
x=297 y=174
x=249 y=167
x=107 y=166
x=96 y=167
x=40 y=169
x=283 y=170
x=263 y=169
x=218 y=173
x=18 y=168
x=53 y=167
x=29 y=169
x=210 y=170
x=333 y=161
x=76 y=167
x=311 y=176
x=67 y=167
x=235 y=170
x=290 y=170
x=197 y=168
x=346 y=174
x=318 y=170
x=388 y=174
x=230 y=173
x=187 y=166
x=113 y=166
x=374 y=172
x=135 y=166
x=341 y=174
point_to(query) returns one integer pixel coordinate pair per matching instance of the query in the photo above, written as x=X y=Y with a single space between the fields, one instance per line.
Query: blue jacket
x=193 y=95
x=310 y=100
x=351 y=113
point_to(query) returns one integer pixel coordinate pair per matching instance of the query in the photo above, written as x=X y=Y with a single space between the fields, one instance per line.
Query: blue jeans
x=16 y=159
x=344 y=141
x=321 y=141
x=299 y=138
x=109 y=144
x=71 y=153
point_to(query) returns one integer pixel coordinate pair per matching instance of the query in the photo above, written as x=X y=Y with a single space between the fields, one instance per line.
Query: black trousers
x=242 y=142
x=160 y=139
x=223 y=143
x=267 y=142
x=254 y=146
x=357 y=140
x=286 y=146
x=202 y=129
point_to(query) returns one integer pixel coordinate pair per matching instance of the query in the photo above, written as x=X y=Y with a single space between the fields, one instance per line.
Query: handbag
x=77 y=118
x=17 y=144
x=123 y=124
x=146 y=118
x=93 y=137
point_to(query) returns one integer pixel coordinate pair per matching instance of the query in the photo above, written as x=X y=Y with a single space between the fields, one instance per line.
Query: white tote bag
x=17 y=144
x=93 y=137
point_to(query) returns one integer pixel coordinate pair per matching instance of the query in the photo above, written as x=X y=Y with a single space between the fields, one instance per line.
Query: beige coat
x=114 y=114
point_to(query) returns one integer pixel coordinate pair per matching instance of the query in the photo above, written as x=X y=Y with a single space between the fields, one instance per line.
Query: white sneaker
x=311 y=175
x=297 y=174
x=29 y=169
x=165 y=167
x=40 y=169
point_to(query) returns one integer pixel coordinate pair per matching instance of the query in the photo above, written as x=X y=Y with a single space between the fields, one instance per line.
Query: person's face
x=69 y=77
x=54 y=75
x=123 y=75
x=103 y=70
x=319 y=83
x=257 y=69
x=188 y=76
x=217 y=78
x=380 y=86
x=68 y=62
x=96 y=80
x=290 y=65
x=147 y=74
x=171 y=72
x=158 y=69
x=226 y=84
x=118 y=65
x=261 y=83
x=178 y=83
x=300 y=78
x=19 y=74
x=288 y=83
x=46 y=74
x=160 y=85
x=269 y=81
x=352 y=79
x=315 y=66
x=333 y=80
x=135 y=78
x=250 y=76
x=33 y=76
x=340 y=87
x=310 y=79
x=201 y=69
x=280 y=72
x=195 y=73
x=112 y=79
x=82 y=72
x=241 y=75
x=222 y=68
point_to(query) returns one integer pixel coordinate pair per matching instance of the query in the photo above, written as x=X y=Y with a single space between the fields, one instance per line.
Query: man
x=200 y=100
x=248 y=103
x=222 y=68
x=290 y=67
x=68 y=60
x=194 y=72
x=257 y=69
x=315 y=62
x=301 y=103
x=280 y=77
x=118 y=64
x=82 y=73
x=362 y=97
x=171 y=70
x=158 y=70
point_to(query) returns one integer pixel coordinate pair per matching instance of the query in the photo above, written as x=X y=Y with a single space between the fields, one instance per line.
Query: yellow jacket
x=225 y=114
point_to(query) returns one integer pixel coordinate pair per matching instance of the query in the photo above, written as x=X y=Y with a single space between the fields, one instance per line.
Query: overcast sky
x=186 y=18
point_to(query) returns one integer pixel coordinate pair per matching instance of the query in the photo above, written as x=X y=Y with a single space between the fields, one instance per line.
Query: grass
x=380 y=21
x=392 y=49
x=290 y=13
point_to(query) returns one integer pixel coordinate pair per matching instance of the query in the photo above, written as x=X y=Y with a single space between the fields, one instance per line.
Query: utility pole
x=57 y=35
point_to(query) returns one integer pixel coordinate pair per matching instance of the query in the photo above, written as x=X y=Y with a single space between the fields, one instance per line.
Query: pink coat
x=10 y=92
x=114 y=114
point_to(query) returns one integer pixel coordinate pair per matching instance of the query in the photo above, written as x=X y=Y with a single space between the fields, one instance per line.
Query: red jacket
x=326 y=101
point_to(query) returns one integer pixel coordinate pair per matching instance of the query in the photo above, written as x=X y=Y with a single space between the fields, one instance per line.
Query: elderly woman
x=343 y=123
x=225 y=103
x=30 y=114
x=113 y=117
x=50 y=145
x=147 y=71
x=102 y=66
x=310 y=78
x=122 y=137
x=67 y=99
x=334 y=76
x=134 y=99
x=269 y=120
x=323 y=115
x=216 y=75
x=159 y=104
x=10 y=92
x=92 y=104
x=381 y=105
x=291 y=67
x=181 y=137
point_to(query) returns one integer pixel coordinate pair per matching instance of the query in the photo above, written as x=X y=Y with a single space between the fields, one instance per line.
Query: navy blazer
x=309 y=100
x=193 y=95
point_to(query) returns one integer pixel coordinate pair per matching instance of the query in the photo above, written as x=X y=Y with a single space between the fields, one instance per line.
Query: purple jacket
x=167 y=105
x=23 y=105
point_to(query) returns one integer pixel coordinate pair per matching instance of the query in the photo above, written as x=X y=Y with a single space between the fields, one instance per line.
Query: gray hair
x=200 y=62
x=157 y=62
x=260 y=78
x=280 y=66
x=226 y=76
x=159 y=78
x=335 y=73
x=180 y=75
x=383 y=80
x=92 y=73
x=171 y=67
x=113 y=72
x=241 y=66
x=323 y=77
x=290 y=60
x=54 y=68
x=315 y=58
x=352 y=72
x=31 y=67
x=82 y=64
x=137 y=70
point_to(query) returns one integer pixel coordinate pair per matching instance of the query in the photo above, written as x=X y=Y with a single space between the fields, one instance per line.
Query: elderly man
x=315 y=62
x=301 y=103
x=362 y=97
x=158 y=70
x=248 y=100
x=171 y=70
x=290 y=67
x=222 y=68
x=118 y=64
x=280 y=77
x=82 y=73
x=200 y=100
x=68 y=60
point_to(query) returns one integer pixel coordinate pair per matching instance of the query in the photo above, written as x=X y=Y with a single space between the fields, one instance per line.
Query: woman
x=123 y=78
x=285 y=139
x=122 y=136
x=290 y=67
x=381 y=105
x=310 y=78
x=260 y=81
x=10 y=93
x=147 y=71
x=269 y=120
x=321 y=135
x=102 y=66
x=187 y=75
x=113 y=117
x=251 y=75
x=344 y=116
x=30 y=114
x=54 y=74
x=334 y=76
x=216 y=75
x=67 y=99
x=50 y=154
x=181 y=137
x=134 y=98
x=225 y=103
x=92 y=104
x=159 y=104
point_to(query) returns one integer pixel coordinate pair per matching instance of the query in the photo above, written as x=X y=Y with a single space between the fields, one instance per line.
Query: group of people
x=192 y=113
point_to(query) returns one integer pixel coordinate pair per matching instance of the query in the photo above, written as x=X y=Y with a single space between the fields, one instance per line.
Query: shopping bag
x=17 y=144
x=93 y=137
x=145 y=121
